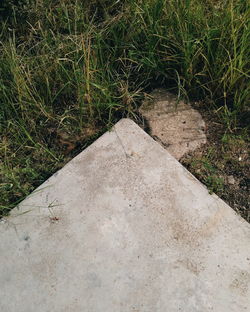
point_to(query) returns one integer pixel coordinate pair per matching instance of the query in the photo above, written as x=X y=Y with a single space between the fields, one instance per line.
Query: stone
x=173 y=123
x=231 y=180
x=124 y=227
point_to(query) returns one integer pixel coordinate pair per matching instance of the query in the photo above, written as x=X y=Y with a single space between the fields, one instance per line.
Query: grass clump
x=70 y=68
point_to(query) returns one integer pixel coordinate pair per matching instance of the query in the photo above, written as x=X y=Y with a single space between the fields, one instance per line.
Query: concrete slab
x=124 y=227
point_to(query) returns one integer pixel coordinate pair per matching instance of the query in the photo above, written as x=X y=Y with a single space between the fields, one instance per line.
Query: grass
x=69 y=69
x=223 y=165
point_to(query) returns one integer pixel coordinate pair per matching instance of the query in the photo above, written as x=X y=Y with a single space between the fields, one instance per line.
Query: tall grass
x=70 y=68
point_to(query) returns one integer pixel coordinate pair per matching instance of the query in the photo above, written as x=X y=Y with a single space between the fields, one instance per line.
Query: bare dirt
x=223 y=163
x=173 y=123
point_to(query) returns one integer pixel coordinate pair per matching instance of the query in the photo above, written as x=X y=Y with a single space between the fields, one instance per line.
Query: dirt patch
x=173 y=123
x=223 y=163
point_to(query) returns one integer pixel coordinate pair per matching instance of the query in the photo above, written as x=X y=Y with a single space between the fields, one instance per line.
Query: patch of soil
x=223 y=163
x=173 y=122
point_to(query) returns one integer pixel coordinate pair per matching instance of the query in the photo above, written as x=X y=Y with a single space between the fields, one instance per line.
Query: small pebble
x=231 y=179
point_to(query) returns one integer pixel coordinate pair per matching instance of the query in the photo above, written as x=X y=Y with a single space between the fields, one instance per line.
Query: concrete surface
x=174 y=124
x=124 y=227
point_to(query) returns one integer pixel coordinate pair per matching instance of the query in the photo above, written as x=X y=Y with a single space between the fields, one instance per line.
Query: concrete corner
x=124 y=227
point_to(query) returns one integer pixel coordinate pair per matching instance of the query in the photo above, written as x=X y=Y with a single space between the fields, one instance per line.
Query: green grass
x=71 y=68
x=223 y=166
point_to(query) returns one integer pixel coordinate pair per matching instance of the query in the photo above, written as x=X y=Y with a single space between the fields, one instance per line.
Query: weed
x=215 y=184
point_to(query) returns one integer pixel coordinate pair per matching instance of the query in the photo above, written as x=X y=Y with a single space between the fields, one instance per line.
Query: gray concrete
x=124 y=227
x=173 y=123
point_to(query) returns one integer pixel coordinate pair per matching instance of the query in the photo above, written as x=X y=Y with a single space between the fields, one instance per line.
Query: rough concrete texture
x=124 y=227
x=175 y=124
